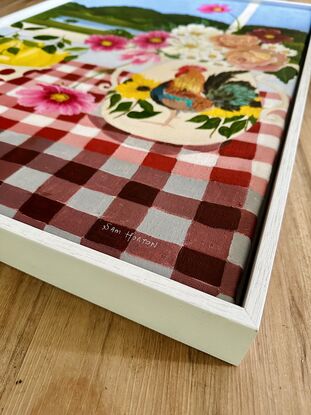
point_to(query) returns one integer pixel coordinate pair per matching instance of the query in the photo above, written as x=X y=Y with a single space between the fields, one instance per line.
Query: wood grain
x=62 y=355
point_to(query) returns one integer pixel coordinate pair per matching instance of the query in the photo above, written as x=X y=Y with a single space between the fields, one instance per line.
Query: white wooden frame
x=200 y=320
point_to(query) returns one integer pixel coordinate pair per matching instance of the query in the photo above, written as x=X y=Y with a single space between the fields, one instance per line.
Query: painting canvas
x=150 y=131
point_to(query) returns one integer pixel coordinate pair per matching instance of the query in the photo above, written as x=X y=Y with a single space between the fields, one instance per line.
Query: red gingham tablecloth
x=186 y=213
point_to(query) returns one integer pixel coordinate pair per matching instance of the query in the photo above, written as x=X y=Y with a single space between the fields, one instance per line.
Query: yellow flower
x=26 y=55
x=245 y=110
x=137 y=87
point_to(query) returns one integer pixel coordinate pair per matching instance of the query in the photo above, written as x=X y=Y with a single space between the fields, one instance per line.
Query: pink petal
x=46 y=107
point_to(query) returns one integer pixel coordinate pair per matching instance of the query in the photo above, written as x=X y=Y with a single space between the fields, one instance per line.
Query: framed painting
x=146 y=152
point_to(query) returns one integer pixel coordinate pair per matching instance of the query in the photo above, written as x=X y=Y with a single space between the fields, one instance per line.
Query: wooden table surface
x=62 y=355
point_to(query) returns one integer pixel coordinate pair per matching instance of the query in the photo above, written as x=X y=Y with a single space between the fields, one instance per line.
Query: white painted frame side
x=263 y=263
x=200 y=320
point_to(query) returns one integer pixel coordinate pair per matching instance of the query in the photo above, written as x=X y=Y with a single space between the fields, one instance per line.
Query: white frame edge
x=200 y=320
x=263 y=263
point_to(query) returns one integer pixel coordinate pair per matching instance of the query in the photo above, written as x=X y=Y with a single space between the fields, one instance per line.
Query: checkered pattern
x=186 y=213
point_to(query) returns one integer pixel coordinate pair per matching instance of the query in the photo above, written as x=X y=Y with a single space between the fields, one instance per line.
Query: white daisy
x=196 y=31
x=188 y=47
x=279 y=48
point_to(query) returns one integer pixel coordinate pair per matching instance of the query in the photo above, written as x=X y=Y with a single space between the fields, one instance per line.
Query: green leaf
x=145 y=105
x=234 y=118
x=298 y=47
x=142 y=114
x=70 y=58
x=233 y=129
x=199 y=118
x=210 y=124
x=14 y=51
x=285 y=74
x=252 y=119
x=114 y=99
x=238 y=126
x=30 y=43
x=4 y=40
x=75 y=49
x=60 y=45
x=171 y=56
x=225 y=131
x=123 y=107
x=18 y=25
x=50 y=49
x=34 y=28
x=67 y=41
x=45 y=37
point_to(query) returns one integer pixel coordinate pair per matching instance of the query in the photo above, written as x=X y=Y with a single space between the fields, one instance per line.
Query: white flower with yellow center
x=279 y=48
x=196 y=32
x=191 y=48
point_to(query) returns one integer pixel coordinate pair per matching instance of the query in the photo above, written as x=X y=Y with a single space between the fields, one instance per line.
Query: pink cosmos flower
x=55 y=98
x=140 y=57
x=214 y=8
x=106 y=42
x=152 y=40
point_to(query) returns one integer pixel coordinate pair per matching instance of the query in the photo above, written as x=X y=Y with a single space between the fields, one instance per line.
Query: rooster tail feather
x=215 y=81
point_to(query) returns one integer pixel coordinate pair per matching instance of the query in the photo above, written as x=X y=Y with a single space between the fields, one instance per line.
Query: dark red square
x=51 y=133
x=241 y=149
x=71 y=77
x=76 y=173
x=20 y=155
x=109 y=234
x=139 y=193
x=255 y=128
x=200 y=266
x=20 y=81
x=218 y=216
x=71 y=118
x=88 y=66
x=22 y=108
x=98 y=97
x=235 y=177
x=6 y=123
x=160 y=162
x=40 y=208
x=5 y=148
x=100 y=146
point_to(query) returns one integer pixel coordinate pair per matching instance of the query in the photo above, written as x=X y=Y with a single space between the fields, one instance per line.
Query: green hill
x=127 y=17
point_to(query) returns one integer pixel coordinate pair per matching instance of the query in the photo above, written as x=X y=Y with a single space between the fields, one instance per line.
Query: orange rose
x=236 y=41
x=257 y=59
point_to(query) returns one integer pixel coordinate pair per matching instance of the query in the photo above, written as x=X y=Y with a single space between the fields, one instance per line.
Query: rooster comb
x=187 y=68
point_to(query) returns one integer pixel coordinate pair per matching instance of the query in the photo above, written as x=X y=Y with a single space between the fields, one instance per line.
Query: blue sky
x=294 y=17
